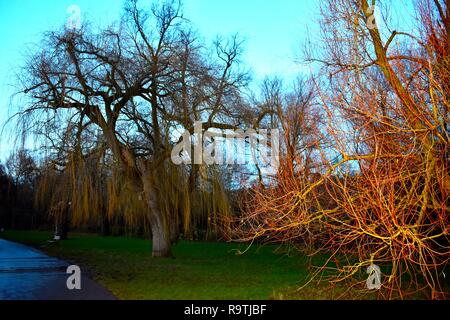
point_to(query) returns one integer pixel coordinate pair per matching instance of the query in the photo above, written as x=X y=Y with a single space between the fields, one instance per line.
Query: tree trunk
x=106 y=227
x=160 y=233
x=161 y=246
x=174 y=232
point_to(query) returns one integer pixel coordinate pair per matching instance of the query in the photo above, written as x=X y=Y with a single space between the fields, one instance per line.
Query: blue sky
x=272 y=29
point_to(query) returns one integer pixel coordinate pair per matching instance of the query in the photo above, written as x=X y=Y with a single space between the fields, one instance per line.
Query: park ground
x=199 y=270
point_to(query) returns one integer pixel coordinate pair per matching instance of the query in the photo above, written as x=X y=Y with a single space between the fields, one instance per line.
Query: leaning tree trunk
x=161 y=244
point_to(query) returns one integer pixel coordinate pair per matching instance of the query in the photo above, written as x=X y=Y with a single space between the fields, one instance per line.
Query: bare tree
x=132 y=86
x=383 y=188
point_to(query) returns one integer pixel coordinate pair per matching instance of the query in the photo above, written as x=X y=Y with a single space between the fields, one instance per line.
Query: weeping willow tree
x=133 y=86
x=88 y=190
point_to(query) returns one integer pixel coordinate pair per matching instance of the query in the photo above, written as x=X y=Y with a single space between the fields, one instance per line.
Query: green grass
x=200 y=270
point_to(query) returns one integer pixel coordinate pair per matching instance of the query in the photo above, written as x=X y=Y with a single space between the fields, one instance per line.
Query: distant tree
x=6 y=191
x=22 y=167
x=23 y=172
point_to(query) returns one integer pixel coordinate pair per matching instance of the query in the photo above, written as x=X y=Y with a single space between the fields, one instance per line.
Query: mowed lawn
x=199 y=270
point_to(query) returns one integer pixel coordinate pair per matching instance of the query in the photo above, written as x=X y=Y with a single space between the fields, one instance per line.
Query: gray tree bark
x=161 y=244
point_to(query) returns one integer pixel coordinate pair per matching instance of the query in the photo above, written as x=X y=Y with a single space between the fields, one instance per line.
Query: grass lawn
x=200 y=270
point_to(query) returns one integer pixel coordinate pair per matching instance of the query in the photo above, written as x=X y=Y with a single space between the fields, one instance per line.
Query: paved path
x=28 y=274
